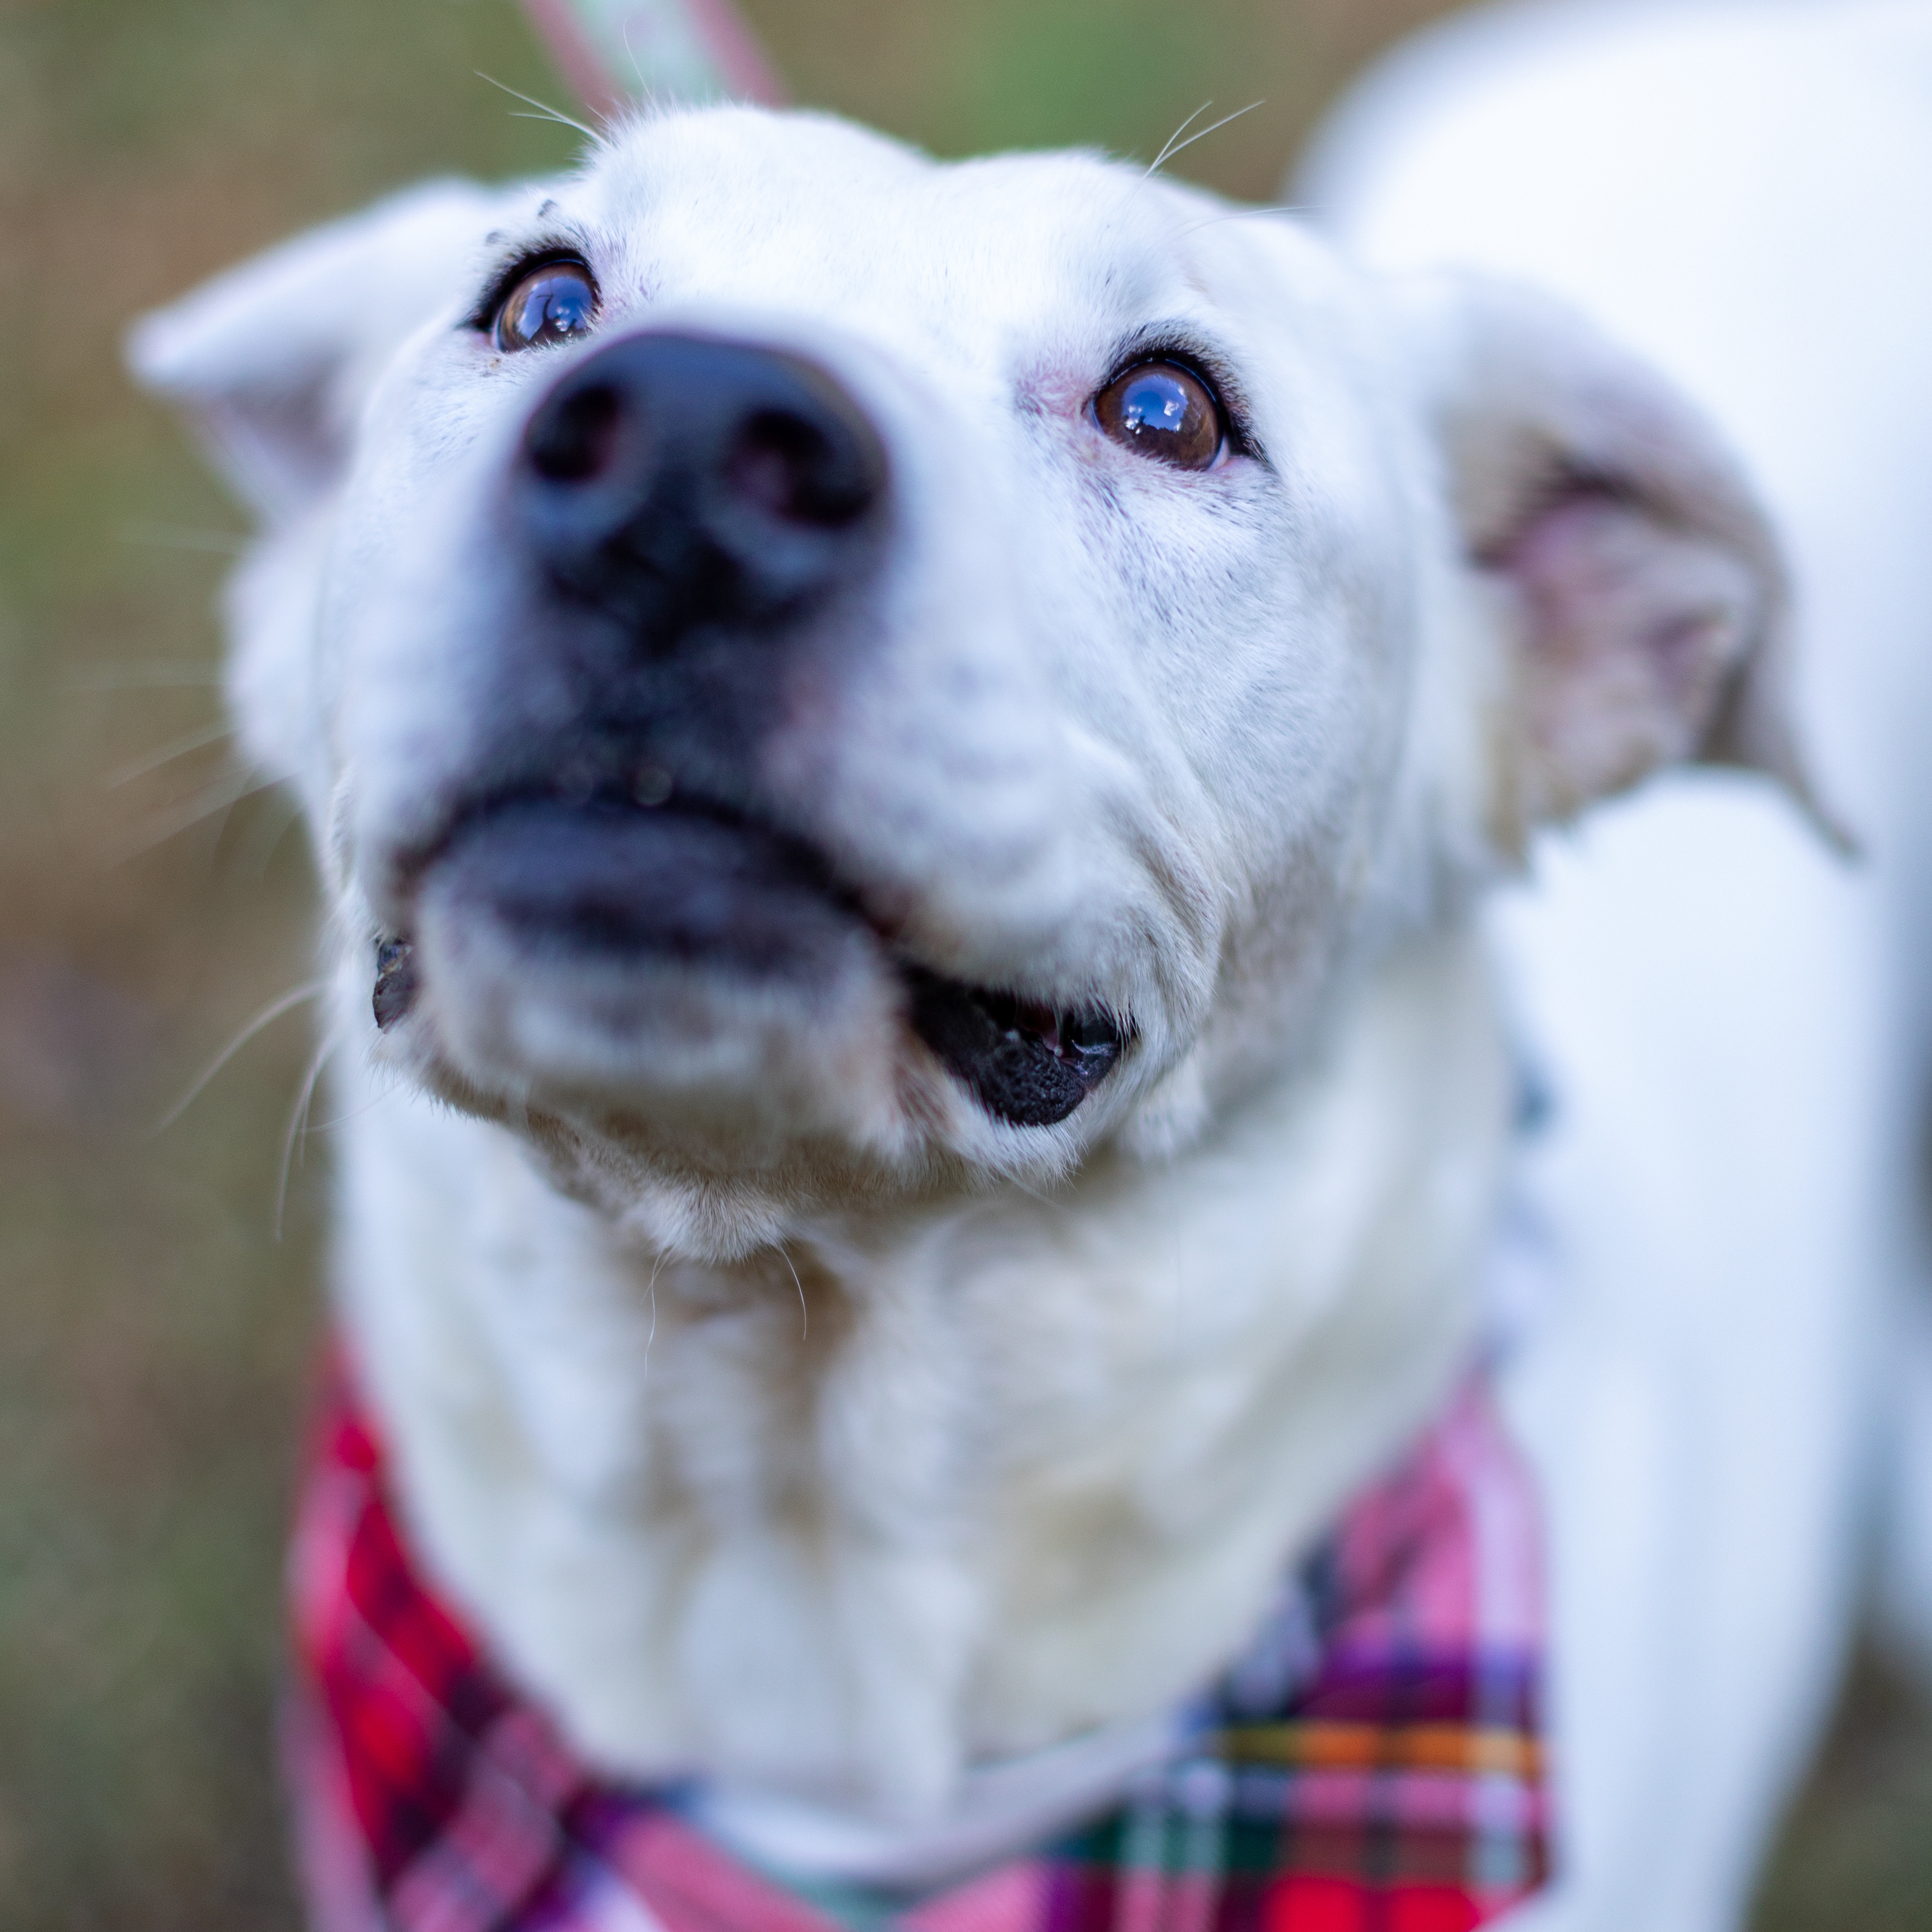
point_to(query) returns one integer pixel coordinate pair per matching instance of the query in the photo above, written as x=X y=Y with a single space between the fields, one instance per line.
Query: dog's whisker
x=298 y=1127
x=196 y=740
x=651 y=1335
x=544 y=111
x=262 y=846
x=169 y=536
x=1265 y=209
x=296 y=996
x=1167 y=146
x=804 y=1312
x=1245 y=214
x=1031 y=1192
x=391 y=1085
x=216 y=799
x=1176 y=147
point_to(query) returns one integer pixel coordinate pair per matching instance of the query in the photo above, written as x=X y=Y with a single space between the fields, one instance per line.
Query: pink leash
x=616 y=52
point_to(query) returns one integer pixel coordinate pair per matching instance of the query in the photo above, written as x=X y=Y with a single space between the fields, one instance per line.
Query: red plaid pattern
x=1372 y=1765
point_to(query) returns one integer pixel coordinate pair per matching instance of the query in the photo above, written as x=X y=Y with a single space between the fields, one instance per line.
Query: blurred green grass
x=154 y=1332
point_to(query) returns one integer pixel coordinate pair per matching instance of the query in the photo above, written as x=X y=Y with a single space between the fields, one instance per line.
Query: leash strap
x=617 y=53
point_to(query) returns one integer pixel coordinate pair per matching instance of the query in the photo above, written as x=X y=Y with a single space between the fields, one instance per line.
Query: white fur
x=1737 y=1031
x=780 y=1415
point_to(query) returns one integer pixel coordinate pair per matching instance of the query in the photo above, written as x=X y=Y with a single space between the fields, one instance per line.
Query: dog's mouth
x=616 y=882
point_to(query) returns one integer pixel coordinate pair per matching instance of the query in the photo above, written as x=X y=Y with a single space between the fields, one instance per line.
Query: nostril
x=680 y=485
x=571 y=440
x=789 y=465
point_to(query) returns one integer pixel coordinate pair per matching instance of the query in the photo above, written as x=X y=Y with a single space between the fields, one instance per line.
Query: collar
x=1372 y=1764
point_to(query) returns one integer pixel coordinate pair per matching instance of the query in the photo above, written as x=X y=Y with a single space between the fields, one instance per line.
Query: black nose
x=679 y=483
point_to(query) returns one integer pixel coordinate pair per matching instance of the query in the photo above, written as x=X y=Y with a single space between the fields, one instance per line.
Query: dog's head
x=820 y=676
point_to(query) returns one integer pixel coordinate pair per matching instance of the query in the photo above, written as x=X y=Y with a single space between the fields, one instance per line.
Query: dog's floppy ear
x=270 y=360
x=1643 y=594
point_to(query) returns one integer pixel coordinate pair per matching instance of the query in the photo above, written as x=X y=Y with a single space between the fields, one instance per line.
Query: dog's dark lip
x=1028 y=1063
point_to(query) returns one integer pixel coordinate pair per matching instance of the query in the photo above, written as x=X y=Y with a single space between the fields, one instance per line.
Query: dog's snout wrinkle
x=680 y=483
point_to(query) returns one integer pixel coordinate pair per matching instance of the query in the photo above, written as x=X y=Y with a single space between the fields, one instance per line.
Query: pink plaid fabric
x=1372 y=1765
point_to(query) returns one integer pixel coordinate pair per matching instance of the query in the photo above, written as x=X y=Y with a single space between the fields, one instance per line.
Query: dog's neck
x=931 y=1490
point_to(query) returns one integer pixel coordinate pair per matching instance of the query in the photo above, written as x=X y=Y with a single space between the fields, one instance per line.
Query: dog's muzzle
x=704 y=519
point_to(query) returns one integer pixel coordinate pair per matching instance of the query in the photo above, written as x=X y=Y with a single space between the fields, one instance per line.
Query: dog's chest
x=843 y=1519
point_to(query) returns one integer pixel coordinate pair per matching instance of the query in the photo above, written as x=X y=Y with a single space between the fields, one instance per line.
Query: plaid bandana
x=1372 y=1765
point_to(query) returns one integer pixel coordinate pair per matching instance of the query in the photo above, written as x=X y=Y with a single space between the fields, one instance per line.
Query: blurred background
x=159 y=1290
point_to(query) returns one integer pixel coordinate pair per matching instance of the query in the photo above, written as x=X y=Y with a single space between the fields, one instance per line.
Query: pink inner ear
x=1630 y=630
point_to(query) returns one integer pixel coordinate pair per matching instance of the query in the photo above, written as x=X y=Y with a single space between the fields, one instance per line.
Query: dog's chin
x=697 y=974
x=700 y=991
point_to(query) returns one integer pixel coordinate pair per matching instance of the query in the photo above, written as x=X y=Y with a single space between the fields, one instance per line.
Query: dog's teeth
x=395 y=982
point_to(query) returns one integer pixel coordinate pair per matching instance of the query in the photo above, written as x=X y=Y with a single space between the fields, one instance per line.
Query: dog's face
x=821 y=676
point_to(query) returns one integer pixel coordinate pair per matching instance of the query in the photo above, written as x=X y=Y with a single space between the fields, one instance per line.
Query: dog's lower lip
x=1027 y=1063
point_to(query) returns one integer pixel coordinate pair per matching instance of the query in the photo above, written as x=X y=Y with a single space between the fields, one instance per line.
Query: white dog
x=903 y=758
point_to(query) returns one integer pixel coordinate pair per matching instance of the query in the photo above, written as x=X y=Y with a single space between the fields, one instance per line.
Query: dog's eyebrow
x=497 y=237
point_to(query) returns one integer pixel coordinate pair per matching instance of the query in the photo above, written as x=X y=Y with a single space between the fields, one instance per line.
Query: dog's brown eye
x=555 y=303
x=1163 y=410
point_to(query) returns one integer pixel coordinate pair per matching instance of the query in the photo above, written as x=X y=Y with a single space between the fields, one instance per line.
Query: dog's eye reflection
x=1161 y=409
x=553 y=303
